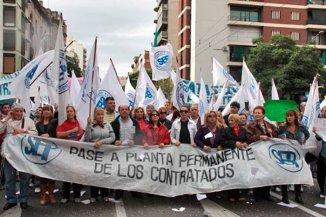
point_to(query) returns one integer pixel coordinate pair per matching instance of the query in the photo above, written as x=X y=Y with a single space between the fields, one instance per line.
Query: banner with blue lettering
x=168 y=171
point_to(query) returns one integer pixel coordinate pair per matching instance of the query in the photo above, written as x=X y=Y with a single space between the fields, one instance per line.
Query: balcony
x=255 y=3
x=160 y=38
x=238 y=52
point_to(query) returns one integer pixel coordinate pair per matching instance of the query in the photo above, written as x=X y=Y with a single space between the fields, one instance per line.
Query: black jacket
x=138 y=134
x=51 y=129
x=201 y=141
x=229 y=138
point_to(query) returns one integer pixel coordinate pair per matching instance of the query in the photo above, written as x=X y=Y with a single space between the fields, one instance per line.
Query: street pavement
x=156 y=206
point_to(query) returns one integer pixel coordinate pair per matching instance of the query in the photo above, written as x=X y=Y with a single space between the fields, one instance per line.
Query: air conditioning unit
x=225 y=48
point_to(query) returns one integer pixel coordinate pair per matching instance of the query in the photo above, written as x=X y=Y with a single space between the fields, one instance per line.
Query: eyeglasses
x=162 y=113
x=183 y=111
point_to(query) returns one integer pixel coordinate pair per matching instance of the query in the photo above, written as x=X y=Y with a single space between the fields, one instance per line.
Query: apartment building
x=26 y=28
x=77 y=48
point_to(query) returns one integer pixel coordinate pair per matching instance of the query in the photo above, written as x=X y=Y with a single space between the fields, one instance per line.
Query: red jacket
x=142 y=124
x=156 y=136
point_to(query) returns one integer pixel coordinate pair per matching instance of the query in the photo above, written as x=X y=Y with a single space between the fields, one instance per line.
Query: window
x=245 y=14
x=9 y=1
x=8 y=63
x=237 y=53
x=295 y=16
x=295 y=36
x=276 y=15
x=276 y=33
x=9 y=16
x=9 y=40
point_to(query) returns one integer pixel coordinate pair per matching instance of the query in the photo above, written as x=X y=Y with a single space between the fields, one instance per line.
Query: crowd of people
x=148 y=127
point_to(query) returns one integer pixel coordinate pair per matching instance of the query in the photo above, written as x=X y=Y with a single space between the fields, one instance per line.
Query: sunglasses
x=183 y=111
x=154 y=115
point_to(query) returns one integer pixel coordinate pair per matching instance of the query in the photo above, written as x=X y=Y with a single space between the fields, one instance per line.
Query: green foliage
x=73 y=65
x=293 y=68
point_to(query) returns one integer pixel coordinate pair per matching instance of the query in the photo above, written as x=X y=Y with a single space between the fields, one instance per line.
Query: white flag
x=74 y=90
x=20 y=87
x=89 y=87
x=110 y=87
x=146 y=92
x=60 y=72
x=161 y=99
x=220 y=97
x=274 y=91
x=177 y=89
x=220 y=75
x=130 y=92
x=312 y=107
x=203 y=104
x=161 y=61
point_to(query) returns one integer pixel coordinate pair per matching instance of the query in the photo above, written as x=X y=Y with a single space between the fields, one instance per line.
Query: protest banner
x=170 y=171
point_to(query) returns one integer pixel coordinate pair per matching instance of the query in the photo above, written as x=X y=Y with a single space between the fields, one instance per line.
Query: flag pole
x=48 y=66
x=91 y=93
x=114 y=69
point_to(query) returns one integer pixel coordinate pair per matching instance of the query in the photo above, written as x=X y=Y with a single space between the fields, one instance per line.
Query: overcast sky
x=124 y=27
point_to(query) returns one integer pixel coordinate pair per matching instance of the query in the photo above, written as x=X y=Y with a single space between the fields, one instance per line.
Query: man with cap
x=18 y=124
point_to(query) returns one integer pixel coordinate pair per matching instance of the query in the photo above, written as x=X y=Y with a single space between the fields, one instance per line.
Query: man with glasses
x=183 y=130
x=163 y=112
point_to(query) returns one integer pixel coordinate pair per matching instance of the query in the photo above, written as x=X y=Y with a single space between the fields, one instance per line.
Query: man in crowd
x=5 y=116
x=234 y=109
x=110 y=113
x=127 y=132
x=17 y=125
x=164 y=121
x=194 y=115
x=168 y=107
x=149 y=109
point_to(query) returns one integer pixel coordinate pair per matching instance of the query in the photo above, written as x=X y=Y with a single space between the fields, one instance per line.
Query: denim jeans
x=10 y=181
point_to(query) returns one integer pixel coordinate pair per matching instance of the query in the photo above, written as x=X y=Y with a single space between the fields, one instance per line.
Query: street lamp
x=314 y=38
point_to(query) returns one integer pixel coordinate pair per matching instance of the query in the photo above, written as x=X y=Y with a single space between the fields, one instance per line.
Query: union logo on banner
x=101 y=97
x=161 y=60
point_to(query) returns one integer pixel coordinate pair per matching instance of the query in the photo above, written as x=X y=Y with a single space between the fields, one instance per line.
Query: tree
x=293 y=68
x=73 y=65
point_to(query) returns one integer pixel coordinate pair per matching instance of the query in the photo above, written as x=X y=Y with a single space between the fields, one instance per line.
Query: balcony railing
x=245 y=18
x=317 y=22
x=316 y=2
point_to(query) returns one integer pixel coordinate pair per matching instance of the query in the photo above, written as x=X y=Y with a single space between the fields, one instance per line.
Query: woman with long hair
x=46 y=128
x=292 y=129
x=208 y=136
x=139 y=115
x=156 y=133
x=220 y=120
x=70 y=130
x=101 y=133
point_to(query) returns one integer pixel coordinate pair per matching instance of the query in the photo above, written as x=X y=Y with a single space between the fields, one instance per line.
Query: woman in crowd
x=101 y=133
x=208 y=136
x=220 y=120
x=183 y=130
x=293 y=130
x=46 y=127
x=234 y=136
x=156 y=133
x=257 y=130
x=70 y=129
x=139 y=115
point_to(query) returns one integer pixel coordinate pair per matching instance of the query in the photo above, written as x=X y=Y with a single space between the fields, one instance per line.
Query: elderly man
x=194 y=115
x=127 y=132
x=18 y=124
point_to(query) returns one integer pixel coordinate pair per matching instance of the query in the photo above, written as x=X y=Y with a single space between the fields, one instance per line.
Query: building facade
x=26 y=29
x=166 y=28
x=225 y=30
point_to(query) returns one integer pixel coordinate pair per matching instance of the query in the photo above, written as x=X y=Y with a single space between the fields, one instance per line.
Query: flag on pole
x=161 y=61
x=110 y=87
x=146 y=92
x=220 y=75
x=220 y=97
x=312 y=107
x=161 y=99
x=274 y=91
x=130 y=92
x=74 y=90
x=20 y=87
x=60 y=72
x=203 y=104
x=90 y=85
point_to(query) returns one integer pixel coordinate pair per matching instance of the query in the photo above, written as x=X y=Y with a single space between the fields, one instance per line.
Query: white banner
x=170 y=171
x=320 y=125
x=161 y=61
